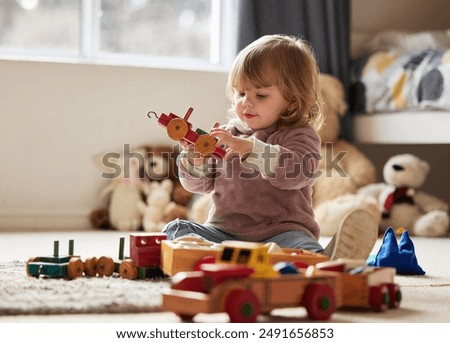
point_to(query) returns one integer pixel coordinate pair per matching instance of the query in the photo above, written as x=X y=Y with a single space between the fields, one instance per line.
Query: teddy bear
x=155 y=163
x=158 y=206
x=401 y=202
x=343 y=168
x=160 y=165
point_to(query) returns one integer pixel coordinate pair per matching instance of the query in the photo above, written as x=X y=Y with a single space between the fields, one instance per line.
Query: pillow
x=393 y=81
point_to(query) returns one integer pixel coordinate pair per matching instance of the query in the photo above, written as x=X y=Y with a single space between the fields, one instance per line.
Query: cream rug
x=20 y=294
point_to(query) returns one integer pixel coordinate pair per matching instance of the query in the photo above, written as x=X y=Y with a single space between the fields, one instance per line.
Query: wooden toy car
x=181 y=129
x=243 y=283
x=187 y=253
x=145 y=257
x=57 y=266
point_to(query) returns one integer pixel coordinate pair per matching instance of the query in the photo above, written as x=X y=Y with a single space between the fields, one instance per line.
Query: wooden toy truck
x=181 y=129
x=244 y=284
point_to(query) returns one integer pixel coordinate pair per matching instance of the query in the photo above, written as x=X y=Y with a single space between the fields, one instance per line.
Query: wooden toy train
x=180 y=129
x=242 y=279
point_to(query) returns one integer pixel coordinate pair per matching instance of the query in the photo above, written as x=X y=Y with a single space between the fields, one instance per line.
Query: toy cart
x=57 y=266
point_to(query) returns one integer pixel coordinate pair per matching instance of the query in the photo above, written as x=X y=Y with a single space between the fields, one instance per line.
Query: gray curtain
x=324 y=23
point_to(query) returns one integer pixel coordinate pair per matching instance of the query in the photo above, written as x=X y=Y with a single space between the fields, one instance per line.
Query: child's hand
x=242 y=146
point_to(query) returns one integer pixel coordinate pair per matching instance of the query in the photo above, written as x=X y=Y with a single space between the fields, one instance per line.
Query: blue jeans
x=293 y=239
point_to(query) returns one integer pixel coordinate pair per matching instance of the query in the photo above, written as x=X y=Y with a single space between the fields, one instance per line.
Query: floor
x=426 y=298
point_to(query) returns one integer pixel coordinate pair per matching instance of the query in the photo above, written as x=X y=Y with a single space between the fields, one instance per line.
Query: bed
x=400 y=84
x=400 y=89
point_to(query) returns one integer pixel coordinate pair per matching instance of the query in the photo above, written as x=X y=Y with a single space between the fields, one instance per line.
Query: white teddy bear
x=158 y=205
x=401 y=203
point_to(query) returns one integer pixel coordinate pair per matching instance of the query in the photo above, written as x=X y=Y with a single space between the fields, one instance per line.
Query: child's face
x=259 y=108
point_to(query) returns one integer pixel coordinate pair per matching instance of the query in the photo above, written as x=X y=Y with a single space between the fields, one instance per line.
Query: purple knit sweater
x=267 y=193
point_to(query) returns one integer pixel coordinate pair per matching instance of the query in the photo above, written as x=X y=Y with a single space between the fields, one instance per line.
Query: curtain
x=324 y=23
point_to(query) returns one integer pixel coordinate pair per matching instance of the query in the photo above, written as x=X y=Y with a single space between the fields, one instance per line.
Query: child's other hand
x=242 y=146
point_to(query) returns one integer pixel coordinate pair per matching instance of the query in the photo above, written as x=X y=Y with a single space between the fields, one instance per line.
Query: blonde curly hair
x=288 y=63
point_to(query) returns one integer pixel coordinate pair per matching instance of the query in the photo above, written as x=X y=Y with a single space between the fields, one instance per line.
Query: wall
x=55 y=117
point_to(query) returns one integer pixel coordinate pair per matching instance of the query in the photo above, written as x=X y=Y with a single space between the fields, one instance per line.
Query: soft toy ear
x=425 y=166
x=333 y=94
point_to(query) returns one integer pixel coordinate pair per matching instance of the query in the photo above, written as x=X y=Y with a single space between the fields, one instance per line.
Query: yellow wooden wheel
x=90 y=266
x=177 y=129
x=205 y=145
x=128 y=269
x=105 y=266
x=75 y=268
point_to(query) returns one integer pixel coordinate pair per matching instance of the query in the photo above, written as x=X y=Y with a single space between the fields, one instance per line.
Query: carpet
x=20 y=294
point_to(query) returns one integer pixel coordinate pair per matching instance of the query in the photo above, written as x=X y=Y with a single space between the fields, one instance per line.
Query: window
x=163 y=32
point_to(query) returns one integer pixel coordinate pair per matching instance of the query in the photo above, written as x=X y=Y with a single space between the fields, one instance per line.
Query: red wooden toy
x=180 y=129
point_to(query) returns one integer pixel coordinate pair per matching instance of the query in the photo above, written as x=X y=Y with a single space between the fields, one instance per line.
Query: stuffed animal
x=157 y=206
x=160 y=165
x=155 y=163
x=343 y=168
x=402 y=204
x=124 y=193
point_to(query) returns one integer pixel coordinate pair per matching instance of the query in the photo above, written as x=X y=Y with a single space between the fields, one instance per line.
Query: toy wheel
x=205 y=145
x=242 y=306
x=90 y=267
x=185 y=317
x=75 y=268
x=319 y=301
x=128 y=269
x=395 y=295
x=105 y=266
x=177 y=129
x=379 y=298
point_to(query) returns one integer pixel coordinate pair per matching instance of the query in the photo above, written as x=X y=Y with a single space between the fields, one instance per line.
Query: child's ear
x=291 y=107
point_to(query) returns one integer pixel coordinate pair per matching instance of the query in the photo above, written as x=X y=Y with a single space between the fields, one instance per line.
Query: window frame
x=221 y=53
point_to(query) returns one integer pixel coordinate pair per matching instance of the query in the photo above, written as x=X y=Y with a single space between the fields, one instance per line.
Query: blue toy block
x=401 y=256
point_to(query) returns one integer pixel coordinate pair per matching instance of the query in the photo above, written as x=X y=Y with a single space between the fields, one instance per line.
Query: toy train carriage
x=57 y=266
x=187 y=253
x=145 y=257
x=363 y=286
x=181 y=129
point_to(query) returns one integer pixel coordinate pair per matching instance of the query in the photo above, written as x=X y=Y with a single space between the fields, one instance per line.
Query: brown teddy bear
x=343 y=168
x=159 y=165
